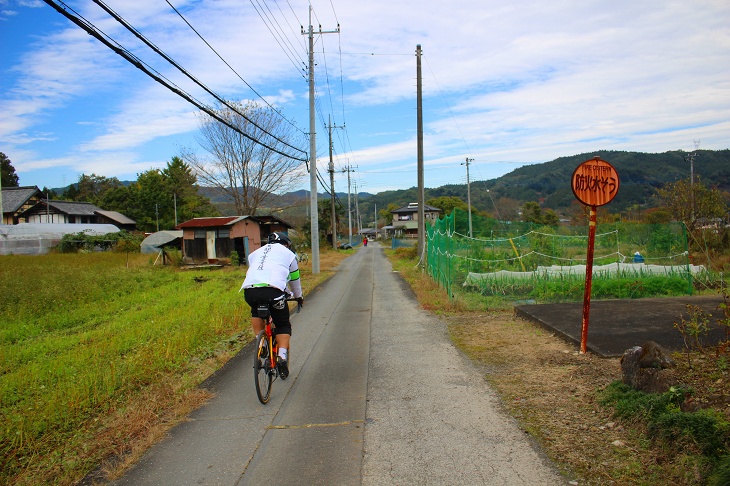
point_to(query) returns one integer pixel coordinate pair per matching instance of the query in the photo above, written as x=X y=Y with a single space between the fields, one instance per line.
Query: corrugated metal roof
x=209 y=222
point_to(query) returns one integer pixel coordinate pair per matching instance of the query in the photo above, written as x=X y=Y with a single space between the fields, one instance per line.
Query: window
x=224 y=233
x=200 y=233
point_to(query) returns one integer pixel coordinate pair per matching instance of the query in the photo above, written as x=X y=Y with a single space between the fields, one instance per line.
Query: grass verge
x=101 y=353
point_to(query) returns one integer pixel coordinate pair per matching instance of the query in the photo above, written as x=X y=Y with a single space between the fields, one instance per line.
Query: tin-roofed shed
x=212 y=239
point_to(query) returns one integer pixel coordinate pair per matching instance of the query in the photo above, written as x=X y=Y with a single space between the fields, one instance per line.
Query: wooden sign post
x=595 y=183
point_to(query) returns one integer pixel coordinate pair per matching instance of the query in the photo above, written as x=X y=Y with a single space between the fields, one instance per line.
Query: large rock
x=648 y=368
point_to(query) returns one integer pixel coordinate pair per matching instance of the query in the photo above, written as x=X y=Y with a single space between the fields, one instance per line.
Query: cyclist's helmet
x=280 y=237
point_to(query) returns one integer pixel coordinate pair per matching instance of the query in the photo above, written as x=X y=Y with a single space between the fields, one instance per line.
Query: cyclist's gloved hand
x=300 y=301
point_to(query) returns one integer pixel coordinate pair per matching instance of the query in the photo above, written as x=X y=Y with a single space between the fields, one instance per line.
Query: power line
x=230 y=67
x=277 y=35
x=157 y=50
x=65 y=10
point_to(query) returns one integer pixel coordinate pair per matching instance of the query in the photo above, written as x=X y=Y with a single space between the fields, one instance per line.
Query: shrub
x=704 y=434
x=721 y=475
x=410 y=252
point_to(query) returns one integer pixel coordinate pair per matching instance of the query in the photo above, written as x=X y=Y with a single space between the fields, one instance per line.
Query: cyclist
x=271 y=269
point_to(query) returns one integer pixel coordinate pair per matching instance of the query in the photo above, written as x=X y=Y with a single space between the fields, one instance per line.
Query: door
x=210 y=244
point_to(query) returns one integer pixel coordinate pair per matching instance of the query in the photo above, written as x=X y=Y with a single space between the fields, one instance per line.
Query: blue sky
x=504 y=83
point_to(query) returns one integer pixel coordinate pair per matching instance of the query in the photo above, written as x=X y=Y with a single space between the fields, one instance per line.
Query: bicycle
x=302 y=257
x=265 y=354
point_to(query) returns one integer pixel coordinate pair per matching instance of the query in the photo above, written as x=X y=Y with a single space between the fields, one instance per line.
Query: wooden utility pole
x=421 y=196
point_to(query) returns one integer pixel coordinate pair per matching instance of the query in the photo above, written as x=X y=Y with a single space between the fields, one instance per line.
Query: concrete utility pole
x=691 y=159
x=357 y=211
x=468 y=192
x=375 y=223
x=349 y=206
x=332 y=187
x=313 y=145
x=419 y=123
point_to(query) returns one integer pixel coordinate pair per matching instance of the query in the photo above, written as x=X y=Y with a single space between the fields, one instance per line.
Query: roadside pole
x=595 y=183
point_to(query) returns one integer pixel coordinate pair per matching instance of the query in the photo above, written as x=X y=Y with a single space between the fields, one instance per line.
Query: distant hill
x=549 y=183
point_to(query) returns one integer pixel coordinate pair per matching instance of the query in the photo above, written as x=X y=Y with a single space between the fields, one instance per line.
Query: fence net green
x=524 y=261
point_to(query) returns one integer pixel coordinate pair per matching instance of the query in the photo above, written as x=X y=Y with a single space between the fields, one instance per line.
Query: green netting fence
x=524 y=261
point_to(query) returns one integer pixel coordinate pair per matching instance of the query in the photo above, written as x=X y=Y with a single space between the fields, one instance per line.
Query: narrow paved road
x=377 y=395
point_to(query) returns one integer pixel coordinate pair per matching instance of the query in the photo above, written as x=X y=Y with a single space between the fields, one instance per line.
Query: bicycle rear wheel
x=263 y=373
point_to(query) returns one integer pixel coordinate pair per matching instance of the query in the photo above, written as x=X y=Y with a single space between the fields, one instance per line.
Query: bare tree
x=249 y=168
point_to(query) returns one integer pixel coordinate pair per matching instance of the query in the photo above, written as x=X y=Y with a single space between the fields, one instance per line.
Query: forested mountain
x=549 y=183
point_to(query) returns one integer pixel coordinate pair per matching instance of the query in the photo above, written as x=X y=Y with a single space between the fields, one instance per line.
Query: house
x=405 y=219
x=211 y=239
x=72 y=212
x=17 y=200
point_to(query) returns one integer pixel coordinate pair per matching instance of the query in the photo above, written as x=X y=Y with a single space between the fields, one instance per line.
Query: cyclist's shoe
x=283 y=366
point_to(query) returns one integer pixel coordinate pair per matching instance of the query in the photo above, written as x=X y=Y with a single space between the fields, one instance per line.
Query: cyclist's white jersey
x=273 y=265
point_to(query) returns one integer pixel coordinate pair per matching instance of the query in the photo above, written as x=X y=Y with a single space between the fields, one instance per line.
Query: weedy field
x=102 y=352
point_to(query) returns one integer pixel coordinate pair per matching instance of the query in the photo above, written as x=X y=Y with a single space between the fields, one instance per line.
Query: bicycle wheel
x=263 y=374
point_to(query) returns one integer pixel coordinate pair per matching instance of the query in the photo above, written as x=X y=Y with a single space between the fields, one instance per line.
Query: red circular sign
x=595 y=182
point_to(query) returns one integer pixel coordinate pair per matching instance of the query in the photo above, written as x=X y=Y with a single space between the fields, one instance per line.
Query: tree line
x=247 y=172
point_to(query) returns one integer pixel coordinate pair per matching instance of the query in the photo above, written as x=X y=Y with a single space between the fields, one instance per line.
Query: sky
x=504 y=83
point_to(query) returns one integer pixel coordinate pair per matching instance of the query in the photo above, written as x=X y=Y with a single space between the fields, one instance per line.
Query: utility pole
x=419 y=123
x=468 y=192
x=349 y=206
x=375 y=223
x=332 y=187
x=357 y=211
x=691 y=159
x=313 y=144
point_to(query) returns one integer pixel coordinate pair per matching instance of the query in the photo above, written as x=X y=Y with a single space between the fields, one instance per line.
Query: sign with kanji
x=595 y=182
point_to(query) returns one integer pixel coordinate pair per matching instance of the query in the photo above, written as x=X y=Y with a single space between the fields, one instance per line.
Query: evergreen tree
x=8 y=177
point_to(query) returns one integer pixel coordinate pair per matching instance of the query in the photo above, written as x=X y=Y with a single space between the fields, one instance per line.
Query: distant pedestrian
x=365 y=241
x=638 y=258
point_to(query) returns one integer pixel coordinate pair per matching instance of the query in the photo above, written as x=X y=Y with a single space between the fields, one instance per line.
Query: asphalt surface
x=617 y=325
x=377 y=395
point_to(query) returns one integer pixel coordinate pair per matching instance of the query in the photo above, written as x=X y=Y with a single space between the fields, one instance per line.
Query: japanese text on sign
x=595 y=182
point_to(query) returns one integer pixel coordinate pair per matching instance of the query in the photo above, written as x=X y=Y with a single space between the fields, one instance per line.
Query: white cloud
x=521 y=82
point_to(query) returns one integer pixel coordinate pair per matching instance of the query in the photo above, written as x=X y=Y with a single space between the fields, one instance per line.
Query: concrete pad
x=617 y=325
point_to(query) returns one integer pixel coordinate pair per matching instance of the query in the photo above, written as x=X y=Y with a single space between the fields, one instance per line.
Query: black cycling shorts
x=279 y=313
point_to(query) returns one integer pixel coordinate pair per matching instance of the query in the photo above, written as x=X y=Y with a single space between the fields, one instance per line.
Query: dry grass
x=118 y=436
x=553 y=391
x=129 y=433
